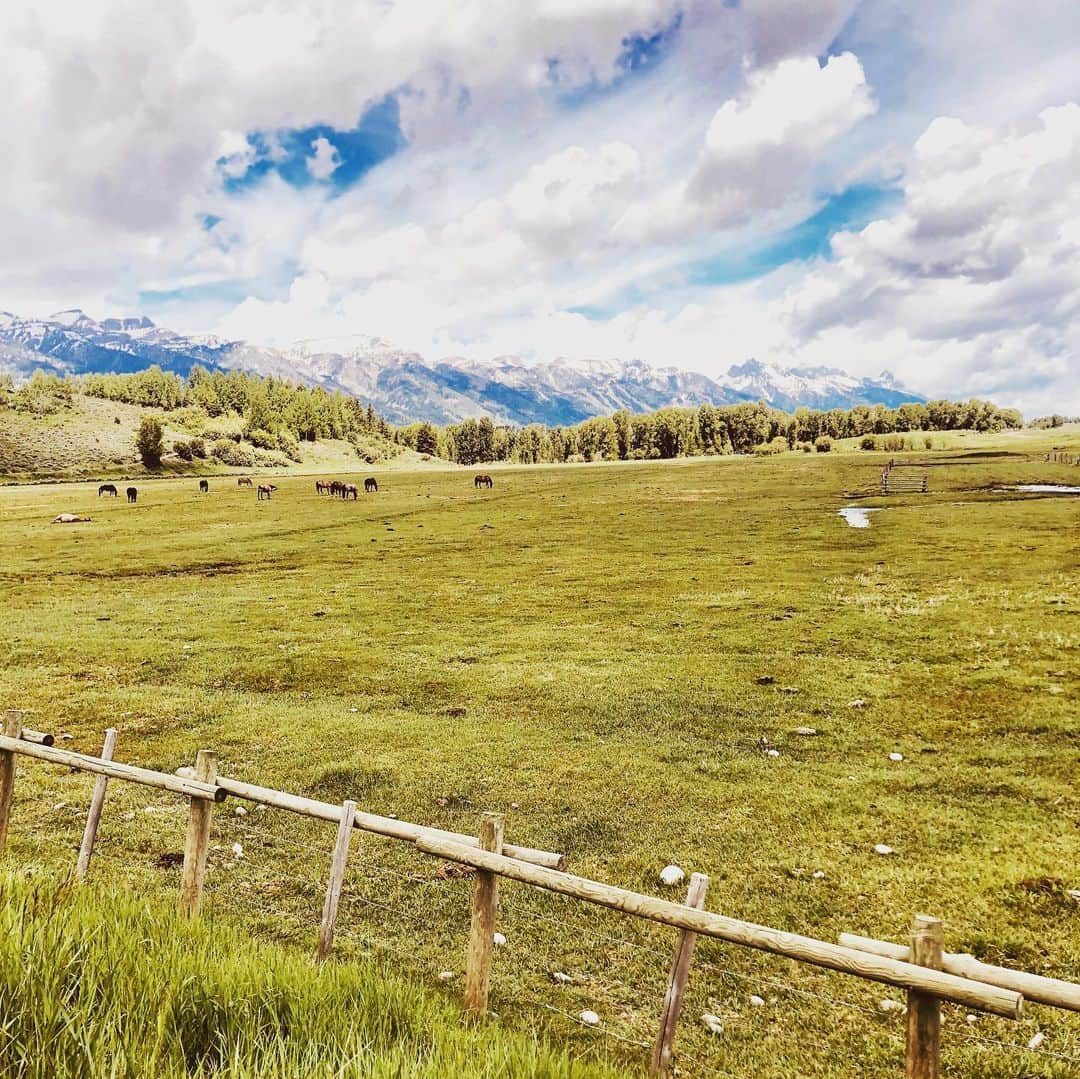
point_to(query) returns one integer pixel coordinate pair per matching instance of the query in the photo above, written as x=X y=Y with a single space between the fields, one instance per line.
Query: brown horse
x=204 y=487
x=265 y=491
x=336 y=488
x=133 y=494
x=107 y=489
x=483 y=481
x=370 y=485
x=244 y=481
x=350 y=491
x=322 y=487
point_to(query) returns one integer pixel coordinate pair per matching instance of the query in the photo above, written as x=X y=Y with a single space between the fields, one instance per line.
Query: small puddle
x=1048 y=488
x=858 y=516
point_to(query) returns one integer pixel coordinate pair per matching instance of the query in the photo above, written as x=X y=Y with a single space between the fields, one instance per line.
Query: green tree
x=150 y=441
x=427 y=439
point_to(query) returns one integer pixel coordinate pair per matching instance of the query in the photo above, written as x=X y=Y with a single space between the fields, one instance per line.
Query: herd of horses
x=333 y=488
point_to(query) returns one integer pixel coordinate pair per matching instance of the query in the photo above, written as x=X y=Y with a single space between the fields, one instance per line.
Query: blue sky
x=848 y=182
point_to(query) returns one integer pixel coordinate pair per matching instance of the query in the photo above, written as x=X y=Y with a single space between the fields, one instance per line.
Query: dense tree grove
x=708 y=429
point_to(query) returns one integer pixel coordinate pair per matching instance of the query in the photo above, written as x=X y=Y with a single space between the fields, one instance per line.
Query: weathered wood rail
x=923 y=969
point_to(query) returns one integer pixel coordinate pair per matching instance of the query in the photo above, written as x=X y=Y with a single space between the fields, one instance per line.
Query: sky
x=865 y=184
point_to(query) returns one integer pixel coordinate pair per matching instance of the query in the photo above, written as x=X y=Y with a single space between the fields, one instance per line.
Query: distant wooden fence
x=922 y=968
x=1061 y=458
x=902 y=479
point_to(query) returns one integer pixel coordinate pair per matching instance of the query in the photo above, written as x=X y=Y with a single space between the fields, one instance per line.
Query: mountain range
x=404 y=386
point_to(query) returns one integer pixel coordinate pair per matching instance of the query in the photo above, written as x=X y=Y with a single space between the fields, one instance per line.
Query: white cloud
x=325 y=159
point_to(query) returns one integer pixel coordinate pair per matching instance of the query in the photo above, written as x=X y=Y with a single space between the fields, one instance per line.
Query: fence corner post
x=337 y=877
x=97 y=804
x=922 y=1057
x=660 y=1061
x=482 y=926
x=12 y=729
x=197 y=844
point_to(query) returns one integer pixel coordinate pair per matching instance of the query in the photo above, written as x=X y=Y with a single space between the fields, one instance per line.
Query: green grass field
x=583 y=648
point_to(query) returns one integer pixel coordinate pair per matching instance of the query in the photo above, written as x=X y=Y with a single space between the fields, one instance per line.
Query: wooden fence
x=902 y=479
x=922 y=968
x=1061 y=458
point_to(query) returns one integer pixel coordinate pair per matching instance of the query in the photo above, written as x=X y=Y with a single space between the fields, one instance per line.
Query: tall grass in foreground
x=98 y=984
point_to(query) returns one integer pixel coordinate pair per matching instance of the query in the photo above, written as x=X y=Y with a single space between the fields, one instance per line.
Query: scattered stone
x=790 y=690
x=772 y=753
x=765 y=745
x=1073 y=893
x=239 y=811
x=883 y=849
x=66 y=737
x=238 y=850
x=446 y=975
x=169 y=860
x=712 y=1023
x=766 y=680
x=818 y=874
x=972 y=1017
x=857 y=703
x=757 y=1002
x=888 y=1005
x=896 y=757
x=1037 y=1041
x=561 y=978
x=590 y=1019
x=498 y=940
x=805 y=732
x=354 y=710
x=671 y=875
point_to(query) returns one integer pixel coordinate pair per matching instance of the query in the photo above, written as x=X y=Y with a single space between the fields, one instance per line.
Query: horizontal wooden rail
x=1052 y=991
x=372 y=822
x=39 y=737
x=114 y=769
x=982 y=997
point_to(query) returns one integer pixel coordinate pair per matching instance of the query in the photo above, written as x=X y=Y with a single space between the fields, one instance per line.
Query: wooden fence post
x=660 y=1063
x=97 y=803
x=12 y=729
x=482 y=927
x=922 y=1059
x=337 y=877
x=197 y=844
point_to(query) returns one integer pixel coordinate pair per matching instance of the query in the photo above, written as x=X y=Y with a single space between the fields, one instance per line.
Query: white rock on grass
x=590 y=1019
x=499 y=940
x=805 y=732
x=972 y=1018
x=888 y=1005
x=239 y=811
x=561 y=977
x=818 y=874
x=671 y=875
x=238 y=850
x=757 y=1002
x=712 y=1023
x=772 y=753
x=857 y=703
x=1037 y=1041
x=896 y=757
x=446 y=975
x=883 y=849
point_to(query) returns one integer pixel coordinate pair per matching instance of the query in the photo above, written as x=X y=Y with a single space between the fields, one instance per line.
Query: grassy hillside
x=596 y=651
x=96 y=983
x=96 y=438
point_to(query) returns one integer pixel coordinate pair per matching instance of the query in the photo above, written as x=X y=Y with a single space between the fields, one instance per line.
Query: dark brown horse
x=323 y=487
x=265 y=491
x=204 y=487
x=244 y=481
x=350 y=491
x=133 y=494
x=483 y=481
x=107 y=489
x=370 y=485
x=336 y=489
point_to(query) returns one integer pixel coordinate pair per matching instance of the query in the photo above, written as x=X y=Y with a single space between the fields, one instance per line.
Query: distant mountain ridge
x=404 y=386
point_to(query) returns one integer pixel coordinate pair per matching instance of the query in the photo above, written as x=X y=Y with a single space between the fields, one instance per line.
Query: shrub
x=894 y=443
x=150 y=441
x=806 y=447
x=191 y=417
x=868 y=442
x=823 y=444
x=928 y=442
x=575 y=459
x=769 y=449
x=182 y=450
x=262 y=439
x=232 y=453
x=269 y=458
x=289 y=446
x=198 y=447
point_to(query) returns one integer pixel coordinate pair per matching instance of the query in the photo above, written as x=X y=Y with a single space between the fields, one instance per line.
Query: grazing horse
x=323 y=487
x=204 y=487
x=133 y=494
x=370 y=485
x=335 y=488
x=483 y=481
x=350 y=491
x=265 y=491
x=107 y=489
x=244 y=481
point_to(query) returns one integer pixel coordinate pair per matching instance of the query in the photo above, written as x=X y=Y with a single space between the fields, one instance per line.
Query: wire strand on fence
x=1017 y=1047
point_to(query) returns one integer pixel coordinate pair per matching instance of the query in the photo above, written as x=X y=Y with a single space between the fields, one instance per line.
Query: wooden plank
x=1053 y=992
x=40 y=737
x=197 y=844
x=922 y=1057
x=337 y=878
x=12 y=733
x=819 y=953
x=372 y=822
x=191 y=788
x=660 y=1064
x=482 y=925
x=97 y=803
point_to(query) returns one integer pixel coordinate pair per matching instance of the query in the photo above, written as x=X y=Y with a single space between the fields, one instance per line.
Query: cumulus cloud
x=324 y=159
x=761 y=147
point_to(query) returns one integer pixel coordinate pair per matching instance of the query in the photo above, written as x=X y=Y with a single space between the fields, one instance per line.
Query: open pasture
x=598 y=652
